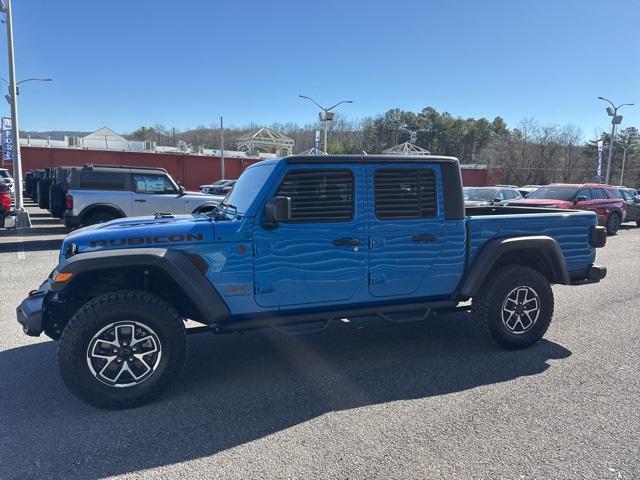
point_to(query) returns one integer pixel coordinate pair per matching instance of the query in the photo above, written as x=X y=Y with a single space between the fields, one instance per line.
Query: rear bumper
x=592 y=275
x=30 y=312
x=71 y=220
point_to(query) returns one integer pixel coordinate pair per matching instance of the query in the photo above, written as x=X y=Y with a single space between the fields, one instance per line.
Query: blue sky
x=184 y=63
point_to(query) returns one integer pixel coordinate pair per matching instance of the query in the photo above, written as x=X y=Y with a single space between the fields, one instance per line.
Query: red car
x=604 y=200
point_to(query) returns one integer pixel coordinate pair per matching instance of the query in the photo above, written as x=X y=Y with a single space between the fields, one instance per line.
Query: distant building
x=106 y=139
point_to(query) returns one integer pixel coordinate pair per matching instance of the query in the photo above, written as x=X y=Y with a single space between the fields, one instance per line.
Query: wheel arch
x=176 y=277
x=539 y=252
x=102 y=207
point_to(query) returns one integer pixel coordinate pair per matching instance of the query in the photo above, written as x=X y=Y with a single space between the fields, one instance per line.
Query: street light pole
x=615 y=120
x=22 y=216
x=624 y=158
x=327 y=117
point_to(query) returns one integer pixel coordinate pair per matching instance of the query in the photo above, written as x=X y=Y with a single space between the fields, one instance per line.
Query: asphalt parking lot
x=362 y=400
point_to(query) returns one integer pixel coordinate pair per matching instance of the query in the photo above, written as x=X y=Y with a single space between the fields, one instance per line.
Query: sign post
x=316 y=143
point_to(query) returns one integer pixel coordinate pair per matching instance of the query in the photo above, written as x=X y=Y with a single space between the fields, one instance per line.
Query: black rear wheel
x=122 y=349
x=514 y=307
x=98 y=217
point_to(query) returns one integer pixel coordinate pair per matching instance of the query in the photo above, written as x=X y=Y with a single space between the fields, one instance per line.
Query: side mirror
x=277 y=209
x=581 y=198
x=181 y=190
x=496 y=200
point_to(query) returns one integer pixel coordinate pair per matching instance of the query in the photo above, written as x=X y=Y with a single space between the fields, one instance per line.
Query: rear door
x=153 y=193
x=319 y=256
x=600 y=203
x=413 y=250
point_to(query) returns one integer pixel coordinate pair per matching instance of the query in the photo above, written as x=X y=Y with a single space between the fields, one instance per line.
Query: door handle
x=346 y=242
x=139 y=200
x=424 y=238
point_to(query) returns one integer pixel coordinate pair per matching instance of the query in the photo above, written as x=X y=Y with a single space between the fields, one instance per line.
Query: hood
x=476 y=203
x=541 y=202
x=137 y=232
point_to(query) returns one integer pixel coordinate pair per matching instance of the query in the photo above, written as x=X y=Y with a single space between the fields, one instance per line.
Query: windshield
x=247 y=187
x=4 y=174
x=479 y=194
x=554 y=193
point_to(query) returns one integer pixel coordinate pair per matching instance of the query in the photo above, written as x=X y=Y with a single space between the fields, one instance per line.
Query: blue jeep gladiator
x=300 y=241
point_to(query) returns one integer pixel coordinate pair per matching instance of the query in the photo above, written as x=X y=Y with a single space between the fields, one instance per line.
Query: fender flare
x=186 y=273
x=490 y=254
x=101 y=206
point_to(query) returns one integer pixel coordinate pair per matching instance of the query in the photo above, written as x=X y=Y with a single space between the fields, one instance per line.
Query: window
x=153 y=184
x=319 y=195
x=598 y=194
x=405 y=194
x=614 y=193
x=97 y=180
x=583 y=192
x=628 y=195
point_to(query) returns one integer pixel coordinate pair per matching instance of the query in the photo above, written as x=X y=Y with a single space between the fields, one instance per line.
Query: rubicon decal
x=121 y=242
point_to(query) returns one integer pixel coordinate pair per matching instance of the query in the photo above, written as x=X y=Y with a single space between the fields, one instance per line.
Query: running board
x=307 y=328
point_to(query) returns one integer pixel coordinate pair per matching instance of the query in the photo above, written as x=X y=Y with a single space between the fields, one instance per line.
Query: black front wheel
x=122 y=349
x=514 y=307
x=613 y=223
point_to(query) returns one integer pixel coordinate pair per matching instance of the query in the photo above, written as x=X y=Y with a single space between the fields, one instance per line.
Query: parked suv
x=99 y=193
x=632 y=204
x=58 y=190
x=483 y=196
x=605 y=200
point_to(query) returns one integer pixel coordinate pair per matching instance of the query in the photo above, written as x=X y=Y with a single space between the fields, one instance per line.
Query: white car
x=6 y=178
x=220 y=187
x=100 y=193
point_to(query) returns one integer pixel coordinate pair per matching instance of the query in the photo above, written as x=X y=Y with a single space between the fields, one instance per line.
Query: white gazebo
x=406 y=148
x=266 y=141
x=311 y=151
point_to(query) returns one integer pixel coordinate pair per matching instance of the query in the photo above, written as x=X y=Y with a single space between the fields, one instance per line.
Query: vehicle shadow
x=240 y=388
x=31 y=246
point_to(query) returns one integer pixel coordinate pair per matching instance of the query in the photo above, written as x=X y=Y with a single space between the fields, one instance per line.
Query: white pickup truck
x=99 y=193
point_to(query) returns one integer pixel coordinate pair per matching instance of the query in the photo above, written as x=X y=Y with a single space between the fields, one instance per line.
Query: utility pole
x=616 y=119
x=22 y=216
x=221 y=150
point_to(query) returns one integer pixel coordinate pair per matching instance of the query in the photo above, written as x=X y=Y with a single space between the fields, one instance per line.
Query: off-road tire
x=613 y=223
x=487 y=305
x=98 y=217
x=130 y=305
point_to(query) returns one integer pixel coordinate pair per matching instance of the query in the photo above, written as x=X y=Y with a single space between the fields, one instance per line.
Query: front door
x=319 y=256
x=155 y=194
x=414 y=250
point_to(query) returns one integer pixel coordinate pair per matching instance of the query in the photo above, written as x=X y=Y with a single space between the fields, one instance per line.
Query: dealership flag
x=599 y=167
x=7 y=150
x=316 y=143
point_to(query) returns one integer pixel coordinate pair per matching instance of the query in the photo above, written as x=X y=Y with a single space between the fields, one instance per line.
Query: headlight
x=70 y=250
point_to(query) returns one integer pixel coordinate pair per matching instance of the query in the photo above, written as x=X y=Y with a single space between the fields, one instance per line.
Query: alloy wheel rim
x=520 y=310
x=124 y=354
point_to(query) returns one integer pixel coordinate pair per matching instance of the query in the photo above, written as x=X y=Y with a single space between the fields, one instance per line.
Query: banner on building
x=7 y=145
x=599 y=164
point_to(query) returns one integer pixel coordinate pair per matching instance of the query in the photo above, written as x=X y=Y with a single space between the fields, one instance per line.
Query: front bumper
x=593 y=275
x=30 y=312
